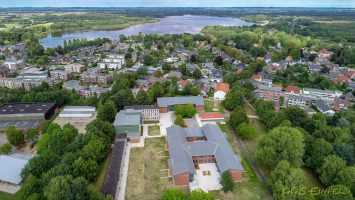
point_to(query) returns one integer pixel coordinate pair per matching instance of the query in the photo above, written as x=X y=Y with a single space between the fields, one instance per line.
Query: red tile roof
x=289 y=58
x=256 y=77
x=341 y=79
x=292 y=88
x=222 y=87
x=351 y=74
x=182 y=82
x=211 y=116
x=325 y=51
x=278 y=86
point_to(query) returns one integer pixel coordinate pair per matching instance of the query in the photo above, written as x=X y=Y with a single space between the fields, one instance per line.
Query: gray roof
x=296 y=97
x=127 y=117
x=168 y=101
x=24 y=125
x=216 y=144
x=141 y=107
x=322 y=105
x=11 y=167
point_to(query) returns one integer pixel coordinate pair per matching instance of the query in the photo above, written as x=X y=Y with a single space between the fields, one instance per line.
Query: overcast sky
x=177 y=3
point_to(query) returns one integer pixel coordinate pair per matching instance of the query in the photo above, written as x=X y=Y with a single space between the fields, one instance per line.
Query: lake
x=168 y=25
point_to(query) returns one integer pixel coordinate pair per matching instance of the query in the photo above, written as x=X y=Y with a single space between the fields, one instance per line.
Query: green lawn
x=147 y=173
x=251 y=187
x=7 y=196
x=209 y=105
x=153 y=130
x=213 y=106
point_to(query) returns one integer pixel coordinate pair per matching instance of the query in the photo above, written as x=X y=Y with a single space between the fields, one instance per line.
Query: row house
x=298 y=101
x=75 y=68
x=326 y=95
x=14 y=65
x=26 y=84
x=60 y=75
x=268 y=93
x=96 y=76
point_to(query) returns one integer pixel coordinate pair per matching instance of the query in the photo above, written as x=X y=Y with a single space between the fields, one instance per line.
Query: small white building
x=11 y=167
x=221 y=90
x=78 y=112
x=112 y=62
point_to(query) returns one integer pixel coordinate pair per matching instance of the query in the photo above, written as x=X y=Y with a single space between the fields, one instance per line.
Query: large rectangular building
x=167 y=104
x=129 y=122
x=189 y=147
x=27 y=111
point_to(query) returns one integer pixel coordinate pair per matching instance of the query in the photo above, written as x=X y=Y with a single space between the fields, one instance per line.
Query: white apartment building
x=326 y=95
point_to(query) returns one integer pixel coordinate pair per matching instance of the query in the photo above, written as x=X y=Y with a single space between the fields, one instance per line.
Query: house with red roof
x=182 y=84
x=340 y=79
x=351 y=74
x=292 y=90
x=256 y=77
x=221 y=90
x=325 y=53
x=289 y=58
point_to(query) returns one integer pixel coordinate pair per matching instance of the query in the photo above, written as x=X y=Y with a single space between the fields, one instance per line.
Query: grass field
x=147 y=174
x=7 y=196
x=153 y=130
x=213 y=106
x=250 y=188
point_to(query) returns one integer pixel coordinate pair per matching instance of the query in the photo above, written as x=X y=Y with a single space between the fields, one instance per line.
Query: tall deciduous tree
x=107 y=111
x=173 y=194
x=330 y=170
x=281 y=143
x=285 y=177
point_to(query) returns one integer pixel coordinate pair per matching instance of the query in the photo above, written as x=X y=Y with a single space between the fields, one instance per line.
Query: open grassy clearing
x=153 y=130
x=250 y=188
x=7 y=196
x=213 y=106
x=148 y=171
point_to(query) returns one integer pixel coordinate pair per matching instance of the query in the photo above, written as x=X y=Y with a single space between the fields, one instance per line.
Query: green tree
x=282 y=143
x=5 y=149
x=141 y=97
x=245 y=130
x=238 y=116
x=284 y=177
x=330 y=170
x=227 y=182
x=14 y=136
x=107 y=112
x=31 y=134
x=85 y=168
x=186 y=111
x=318 y=150
x=347 y=177
x=173 y=194
x=200 y=195
x=197 y=74
x=337 y=192
x=180 y=121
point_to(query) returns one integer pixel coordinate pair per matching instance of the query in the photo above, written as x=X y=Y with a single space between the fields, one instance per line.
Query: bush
x=227 y=182
x=245 y=130
x=186 y=111
x=180 y=121
x=5 y=148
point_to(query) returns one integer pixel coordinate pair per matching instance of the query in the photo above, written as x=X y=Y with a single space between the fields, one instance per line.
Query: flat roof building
x=27 y=111
x=129 y=122
x=11 y=167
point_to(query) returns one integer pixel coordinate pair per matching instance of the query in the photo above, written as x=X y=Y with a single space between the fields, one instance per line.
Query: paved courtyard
x=165 y=122
x=79 y=123
x=191 y=122
x=208 y=177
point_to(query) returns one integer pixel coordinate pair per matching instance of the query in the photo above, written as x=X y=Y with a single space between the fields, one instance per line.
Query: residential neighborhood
x=224 y=112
